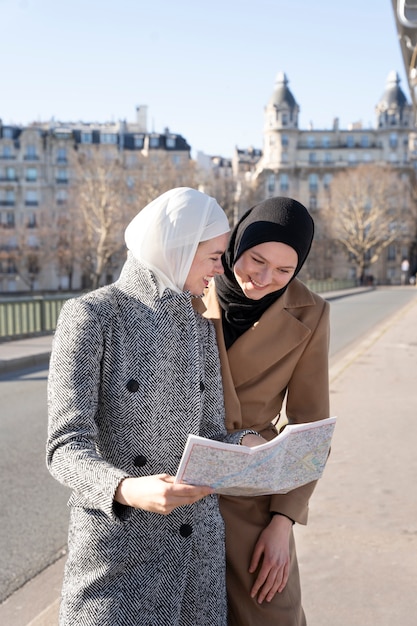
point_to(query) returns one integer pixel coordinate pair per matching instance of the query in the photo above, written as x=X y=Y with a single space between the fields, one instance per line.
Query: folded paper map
x=295 y=457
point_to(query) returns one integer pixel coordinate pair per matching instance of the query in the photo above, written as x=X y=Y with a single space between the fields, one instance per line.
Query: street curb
x=7 y=366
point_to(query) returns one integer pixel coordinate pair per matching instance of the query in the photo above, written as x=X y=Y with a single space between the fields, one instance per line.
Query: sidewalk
x=24 y=353
x=358 y=554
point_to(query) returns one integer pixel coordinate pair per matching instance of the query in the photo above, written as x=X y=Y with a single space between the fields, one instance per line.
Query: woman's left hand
x=272 y=550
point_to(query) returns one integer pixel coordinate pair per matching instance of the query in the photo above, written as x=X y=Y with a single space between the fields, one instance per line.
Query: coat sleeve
x=72 y=454
x=310 y=380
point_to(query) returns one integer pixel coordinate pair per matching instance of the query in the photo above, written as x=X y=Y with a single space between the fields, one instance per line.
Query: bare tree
x=158 y=172
x=368 y=209
x=107 y=190
x=100 y=204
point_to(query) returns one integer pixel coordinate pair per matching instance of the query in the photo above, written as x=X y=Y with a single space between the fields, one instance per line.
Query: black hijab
x=277 y=219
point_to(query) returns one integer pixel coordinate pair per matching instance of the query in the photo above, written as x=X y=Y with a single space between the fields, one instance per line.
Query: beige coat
x=286 y=351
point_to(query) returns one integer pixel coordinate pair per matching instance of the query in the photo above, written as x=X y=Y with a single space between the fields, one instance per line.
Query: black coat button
x=202 y=386
x=140 y=460
x=185 y=530
x=132 y=385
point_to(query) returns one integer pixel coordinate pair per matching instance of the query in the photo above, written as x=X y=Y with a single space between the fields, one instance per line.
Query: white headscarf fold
x=165 y=234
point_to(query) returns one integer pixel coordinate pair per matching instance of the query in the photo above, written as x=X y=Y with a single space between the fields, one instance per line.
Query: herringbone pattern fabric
x=131 y=375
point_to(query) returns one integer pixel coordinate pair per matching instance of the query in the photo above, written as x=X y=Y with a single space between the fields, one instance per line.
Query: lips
x=258 y=285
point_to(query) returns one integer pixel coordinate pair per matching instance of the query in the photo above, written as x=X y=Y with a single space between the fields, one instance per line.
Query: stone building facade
x=35 y=177
x=301 y=163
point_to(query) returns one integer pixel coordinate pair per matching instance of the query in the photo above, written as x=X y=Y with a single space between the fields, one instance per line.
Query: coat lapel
x=255 y=351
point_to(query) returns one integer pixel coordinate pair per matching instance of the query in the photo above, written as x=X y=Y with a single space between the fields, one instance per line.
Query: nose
x=218 y=267
x=265 y=275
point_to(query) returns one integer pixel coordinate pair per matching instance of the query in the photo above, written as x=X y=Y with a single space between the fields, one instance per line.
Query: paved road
x=33 y=512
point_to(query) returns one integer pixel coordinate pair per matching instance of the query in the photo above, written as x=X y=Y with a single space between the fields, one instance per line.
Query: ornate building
x=302 y=162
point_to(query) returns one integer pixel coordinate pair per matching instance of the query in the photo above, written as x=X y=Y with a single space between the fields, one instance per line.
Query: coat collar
x=137 y=281
x=275 y=334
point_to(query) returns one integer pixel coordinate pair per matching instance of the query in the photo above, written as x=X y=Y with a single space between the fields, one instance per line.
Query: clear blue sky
x=205 y=68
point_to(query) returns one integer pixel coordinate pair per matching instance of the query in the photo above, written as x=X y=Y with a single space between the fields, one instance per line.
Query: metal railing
x=28 y=316
x=330 y=284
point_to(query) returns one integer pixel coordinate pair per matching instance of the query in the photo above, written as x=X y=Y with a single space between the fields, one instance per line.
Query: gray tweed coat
x=131 y=374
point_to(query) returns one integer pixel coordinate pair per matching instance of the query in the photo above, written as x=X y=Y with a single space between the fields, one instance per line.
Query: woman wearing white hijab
x=133 y=371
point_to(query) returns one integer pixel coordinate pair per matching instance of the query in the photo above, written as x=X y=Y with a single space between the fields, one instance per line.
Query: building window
x=327 y=179
x=393 y=140
x=325 y=142
x=154 y=142
x=31 y=198
x=7 y=152
x=176 y=160
x=109 y=138
x=31 y=174
x=350 y=141
x=10 y=219
x=61 y=155
x=313 y=203
x=138 y=141
x=271 y=183
x=328 y=157
x=311 y=141
x=31 y=223
x=365 y=141
x=284 y=119
x=313 y=182
x=7 y=219
x=61 y=196
x=7 y=133
x=170 y=142
x=31 y=153
x=352 y=158
x=86 y=137
x=8 y=198
x=10 y=173
x=284 y=140
x=312 y=157
x=284 y=183
x=62 y=176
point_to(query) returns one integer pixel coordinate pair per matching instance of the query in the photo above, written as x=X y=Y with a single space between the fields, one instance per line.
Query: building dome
x=282 y=94
x=393 y=95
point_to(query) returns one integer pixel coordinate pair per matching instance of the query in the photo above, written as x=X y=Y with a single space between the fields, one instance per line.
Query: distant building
x=35 y=173
x=302 y=162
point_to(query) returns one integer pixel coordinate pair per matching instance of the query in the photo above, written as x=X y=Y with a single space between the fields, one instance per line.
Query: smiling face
x=265 y=268
x=206 y=263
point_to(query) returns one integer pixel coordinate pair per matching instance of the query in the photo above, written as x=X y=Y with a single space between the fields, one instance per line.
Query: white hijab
x=164 y=236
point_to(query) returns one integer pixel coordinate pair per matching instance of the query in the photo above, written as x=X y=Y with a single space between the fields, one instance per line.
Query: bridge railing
x=28 y=316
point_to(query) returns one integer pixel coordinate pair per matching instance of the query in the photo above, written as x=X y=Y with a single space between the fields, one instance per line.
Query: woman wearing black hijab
x=273 y=336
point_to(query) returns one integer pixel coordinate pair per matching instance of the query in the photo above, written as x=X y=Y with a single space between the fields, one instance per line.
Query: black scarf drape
x=277 y=219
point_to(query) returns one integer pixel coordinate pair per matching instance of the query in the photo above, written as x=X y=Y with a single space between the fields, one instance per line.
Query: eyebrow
x=281 y=267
